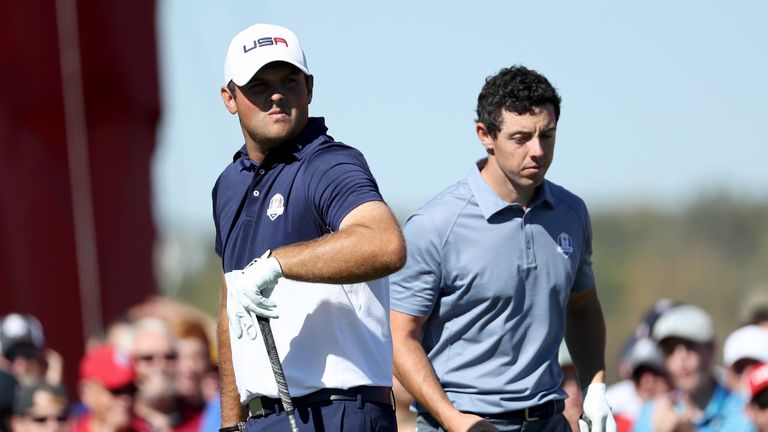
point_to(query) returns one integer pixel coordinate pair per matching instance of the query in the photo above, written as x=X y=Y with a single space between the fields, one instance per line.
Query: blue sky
x=662 y=101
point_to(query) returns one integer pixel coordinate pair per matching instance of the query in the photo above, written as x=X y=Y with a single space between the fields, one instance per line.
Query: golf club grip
x=274 y=361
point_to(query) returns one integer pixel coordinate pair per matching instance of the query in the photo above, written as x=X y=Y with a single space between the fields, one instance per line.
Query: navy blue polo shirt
x=302 y=190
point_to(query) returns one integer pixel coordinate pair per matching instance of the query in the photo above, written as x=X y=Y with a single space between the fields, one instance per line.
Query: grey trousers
x=556 y=423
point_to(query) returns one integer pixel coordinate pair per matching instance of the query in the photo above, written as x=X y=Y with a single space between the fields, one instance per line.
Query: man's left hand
x=597 y=415
x=248 y=293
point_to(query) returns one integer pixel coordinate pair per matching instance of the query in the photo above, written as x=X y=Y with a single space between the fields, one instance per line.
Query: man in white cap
x=312 y=201
x=699 y=402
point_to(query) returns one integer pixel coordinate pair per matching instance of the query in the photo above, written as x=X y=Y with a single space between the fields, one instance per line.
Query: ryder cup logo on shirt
x=565 y=244
x=276 y=206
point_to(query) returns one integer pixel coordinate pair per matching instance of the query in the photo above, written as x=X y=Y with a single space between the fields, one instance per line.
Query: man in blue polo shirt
x=312 y=201
x=499 y=270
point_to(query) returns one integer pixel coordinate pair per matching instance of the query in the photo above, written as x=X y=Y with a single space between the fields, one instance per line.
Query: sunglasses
x=45 y=419
x=669 y=345
x=148 y=358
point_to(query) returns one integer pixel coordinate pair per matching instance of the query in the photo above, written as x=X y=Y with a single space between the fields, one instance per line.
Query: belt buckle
x=256 y=407
x=527 y=416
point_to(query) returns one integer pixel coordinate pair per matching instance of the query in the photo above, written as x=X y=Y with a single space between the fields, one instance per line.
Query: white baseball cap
x=687 y=322
x=258 y=45
x=645 y=352
x=748 y=342
x=21 y=334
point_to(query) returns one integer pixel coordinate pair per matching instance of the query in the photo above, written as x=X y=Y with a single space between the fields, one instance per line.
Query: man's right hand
x=463 y=422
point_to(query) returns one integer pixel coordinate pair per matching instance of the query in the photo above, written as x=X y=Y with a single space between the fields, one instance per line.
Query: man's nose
x=277 y=96
x=535 y=149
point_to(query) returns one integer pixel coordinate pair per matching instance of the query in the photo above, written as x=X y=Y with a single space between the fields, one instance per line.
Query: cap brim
x=248 y=72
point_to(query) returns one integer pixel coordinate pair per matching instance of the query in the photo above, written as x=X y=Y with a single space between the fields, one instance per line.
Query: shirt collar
x=314 y=130
x=714 y=407
x=490 y=203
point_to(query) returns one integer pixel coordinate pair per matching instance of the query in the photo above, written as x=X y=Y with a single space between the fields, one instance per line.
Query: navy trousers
x=331 y=416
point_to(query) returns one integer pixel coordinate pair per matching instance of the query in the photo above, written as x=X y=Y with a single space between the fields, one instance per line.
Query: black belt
x=263 y=406
x=536 y=412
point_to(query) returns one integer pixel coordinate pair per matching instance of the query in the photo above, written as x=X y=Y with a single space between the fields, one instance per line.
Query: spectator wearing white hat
x=744 y=348
x=698 y=402
x=24 y=351
x=647 y=380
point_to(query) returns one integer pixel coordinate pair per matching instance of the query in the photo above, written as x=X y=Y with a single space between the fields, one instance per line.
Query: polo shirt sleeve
x=585 y=277
x=415 y=289
x=339 y=181
x=214 y=195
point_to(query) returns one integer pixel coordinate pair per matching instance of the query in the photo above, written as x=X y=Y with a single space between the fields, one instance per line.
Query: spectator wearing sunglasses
x=40 y=407
x=698 y=401
x=107 y=389
x=155 y=349
x=757 y=384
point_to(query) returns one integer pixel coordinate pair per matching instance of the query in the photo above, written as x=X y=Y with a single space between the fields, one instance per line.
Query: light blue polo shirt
x=494 y=280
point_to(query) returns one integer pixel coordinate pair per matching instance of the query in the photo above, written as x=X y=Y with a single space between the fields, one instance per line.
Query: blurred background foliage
x=712 y=252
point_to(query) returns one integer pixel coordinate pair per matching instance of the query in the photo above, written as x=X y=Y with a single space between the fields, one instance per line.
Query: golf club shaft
x=277 y=370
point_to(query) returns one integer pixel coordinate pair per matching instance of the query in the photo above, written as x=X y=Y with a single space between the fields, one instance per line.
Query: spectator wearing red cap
x=107 y=390
x=757 y=385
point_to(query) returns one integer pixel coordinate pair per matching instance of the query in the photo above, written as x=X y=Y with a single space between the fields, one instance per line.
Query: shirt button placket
x=530 y=254
x=256 y=191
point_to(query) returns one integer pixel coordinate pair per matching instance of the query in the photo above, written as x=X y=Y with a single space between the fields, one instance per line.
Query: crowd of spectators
x=672 y=380
x=155 y=370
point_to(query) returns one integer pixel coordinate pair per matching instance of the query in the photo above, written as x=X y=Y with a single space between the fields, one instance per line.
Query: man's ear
x=310 y=85
x=484 y=136
x=229 y=100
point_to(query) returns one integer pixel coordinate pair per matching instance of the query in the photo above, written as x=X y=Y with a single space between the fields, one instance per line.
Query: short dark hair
x=516 y=89
x=231 y=87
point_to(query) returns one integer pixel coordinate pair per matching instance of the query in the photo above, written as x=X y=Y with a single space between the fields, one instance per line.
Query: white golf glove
x=597 y=415
x=248 y=292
